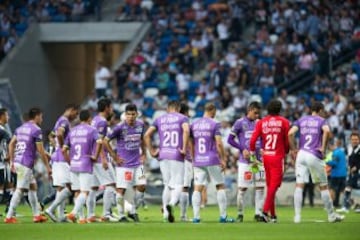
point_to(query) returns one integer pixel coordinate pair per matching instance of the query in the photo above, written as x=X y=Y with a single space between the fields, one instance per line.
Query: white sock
x=298 y=198
x=61 y=209
x=221 y=197
x=165 y=200
x=82 y=213
x=196 y=201
x=325 y=196
x=240 y=202
x=91 y=203
x=107 y=200
x=15 y=200
x=120 y=204
x=175 y=195
x=259 y=200
x=60 y=197
x=34 y=202
x=184 y=203
x=79 y=203
x=139 y=198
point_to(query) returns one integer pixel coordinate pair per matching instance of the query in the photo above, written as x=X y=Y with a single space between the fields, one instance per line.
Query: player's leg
x=34 y=203
x=244 y=181
x=184 y=197
x=165 y=172
x=139 y=182
x=91 y=199
x=259 y=192
x=85 y=181
x=200 y=180
x=302 y=176
x=2 y=184
x=124 y=178
x=108 y=180
x=75 y=187
x=176 y=181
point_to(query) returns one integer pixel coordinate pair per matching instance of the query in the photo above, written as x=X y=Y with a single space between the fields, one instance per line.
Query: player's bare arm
x=221 y=151
x=60 y=136
x=186 y=135
x=41 y=150
x=98 y=149
x=147 y=137
x=325 y=138
x=65 y=152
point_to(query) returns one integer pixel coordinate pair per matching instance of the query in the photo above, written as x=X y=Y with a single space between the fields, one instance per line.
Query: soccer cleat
x=334 y=217
x=196 y=220
x=134 y=217
x=184 y=219
x=91 y=219
x=171 y=217
x=257 y=218
x=10 y=220
x=273 y=219
x=51 y=215
x=42 y=206
x=71 y=217
x=342 y=210
x=297 y=219
x=123 y=219
x=226 y=220
x=109 y=218
x=240 y=218
x=264 y=218
x=39 y=219
x=82 y=221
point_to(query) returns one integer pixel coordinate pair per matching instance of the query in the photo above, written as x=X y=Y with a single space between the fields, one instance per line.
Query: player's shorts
x=3 y=179
x=246 y=177
x=172 y=172
x=25 y=176
x=202 y=174
x=127 y=178
x=188 y=173
x=101 y=176
x=60 y=173
x=307 y=163
x=81 y=181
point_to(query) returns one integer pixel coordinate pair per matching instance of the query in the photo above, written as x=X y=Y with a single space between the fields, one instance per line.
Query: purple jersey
x=310 y=128
x=170 y=131
x=64 y=123
x=129 y=140
x=203 y=132
x=81 y=141
x=243 y=129
x=100 y=124
x=27 y=135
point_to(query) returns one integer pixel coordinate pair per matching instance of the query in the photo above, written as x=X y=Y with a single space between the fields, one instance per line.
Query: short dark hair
x=254 y=105
x=209 y=107
x=317 y=107
x=174 y=104
x=72 y=106
x=102 y=104
x=131 y=107
x=274 y=107
x=355 y=134
x=33 y=112
x=84 y=115
x=184 y=108
x=3 y=111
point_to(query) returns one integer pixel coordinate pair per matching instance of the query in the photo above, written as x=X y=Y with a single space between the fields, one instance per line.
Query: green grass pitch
x=313 y=227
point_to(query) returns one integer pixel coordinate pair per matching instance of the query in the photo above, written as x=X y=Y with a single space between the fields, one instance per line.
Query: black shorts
x=6 y=176
x=2 y=177
x=338 y=183
x=353 y=181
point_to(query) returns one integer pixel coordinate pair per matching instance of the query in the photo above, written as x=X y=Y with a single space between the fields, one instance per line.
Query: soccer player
x=61 y=168
x=129 y=170
x=209 y=161
x=103 y=170
x=173 y=129
x=82 y=148
x=242 y=130
x=23 y=146
x=314 y=135
x=273 y=131
x=354 y=168
x=4 y=156
x=188 y=173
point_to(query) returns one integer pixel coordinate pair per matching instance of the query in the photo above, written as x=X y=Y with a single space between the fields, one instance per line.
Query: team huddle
x=92 y=154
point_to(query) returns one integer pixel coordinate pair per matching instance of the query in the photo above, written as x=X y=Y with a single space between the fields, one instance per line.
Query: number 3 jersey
x=203 y=132
x=81 y=141
x=27 y=135
x=128 y=142
x=169 y=127
x=310 y=129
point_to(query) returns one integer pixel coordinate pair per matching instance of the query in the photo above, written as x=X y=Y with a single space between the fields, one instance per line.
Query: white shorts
x=129 y=177
x=188 y=173
x=307 y=163
x=101 y=176
x=81 y=181
x=25 y=176
x=202 y=174
x=60 y=173
x=246 y=178
x=172 y=172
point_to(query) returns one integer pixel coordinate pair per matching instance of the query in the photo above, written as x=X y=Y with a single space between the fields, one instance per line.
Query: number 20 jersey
x=203 y=132
x=169 y=127
x=310 y=129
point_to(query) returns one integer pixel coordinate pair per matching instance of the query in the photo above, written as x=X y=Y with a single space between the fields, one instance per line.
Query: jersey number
x=20 y=148
x=77 y=154
x=271 y=141
x=308 y=140
x=201 y=145
x=171 y=139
